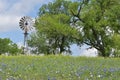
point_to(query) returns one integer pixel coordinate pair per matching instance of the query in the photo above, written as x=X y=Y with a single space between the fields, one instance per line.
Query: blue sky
x=11 y=12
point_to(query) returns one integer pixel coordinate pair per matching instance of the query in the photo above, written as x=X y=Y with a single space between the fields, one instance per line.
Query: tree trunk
x=104 y=53
x=62 y=45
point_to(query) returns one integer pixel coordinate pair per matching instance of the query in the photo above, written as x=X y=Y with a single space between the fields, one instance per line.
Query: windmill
x=26 y=24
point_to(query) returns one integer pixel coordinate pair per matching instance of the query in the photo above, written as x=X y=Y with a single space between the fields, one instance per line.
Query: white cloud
x=89 y=53
x=20 y=44
x=3 y=6
x=83 y=51
x=8 y=22
x=23 y=7
x=12 y=10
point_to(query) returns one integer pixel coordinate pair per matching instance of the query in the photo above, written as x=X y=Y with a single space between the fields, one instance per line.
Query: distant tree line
x=8 y=47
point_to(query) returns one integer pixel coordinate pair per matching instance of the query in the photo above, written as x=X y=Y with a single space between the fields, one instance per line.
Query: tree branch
x=78 y=14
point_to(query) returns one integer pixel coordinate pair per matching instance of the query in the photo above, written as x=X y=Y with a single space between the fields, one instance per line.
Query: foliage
x=54 y=33
x=58 y=68
x=116 y=44
x=92 y=22
x=7 y=46
x=98 y=20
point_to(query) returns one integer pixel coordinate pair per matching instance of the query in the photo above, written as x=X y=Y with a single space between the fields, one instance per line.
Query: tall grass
x=58 y=68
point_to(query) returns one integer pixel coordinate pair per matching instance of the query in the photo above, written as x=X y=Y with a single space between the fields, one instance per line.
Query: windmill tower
x=26 y=24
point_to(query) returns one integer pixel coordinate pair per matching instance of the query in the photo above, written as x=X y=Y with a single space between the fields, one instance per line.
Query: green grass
x=58 y=68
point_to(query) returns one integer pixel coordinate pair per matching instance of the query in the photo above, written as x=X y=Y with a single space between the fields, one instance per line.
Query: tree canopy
x=92 y=22
x=53 y=29
x=99 y=20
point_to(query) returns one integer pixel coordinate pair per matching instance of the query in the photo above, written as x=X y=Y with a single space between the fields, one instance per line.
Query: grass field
x=58 y=68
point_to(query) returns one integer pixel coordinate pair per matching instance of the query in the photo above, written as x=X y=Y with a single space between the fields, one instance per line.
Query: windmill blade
x=22 y=27
x=22 y=19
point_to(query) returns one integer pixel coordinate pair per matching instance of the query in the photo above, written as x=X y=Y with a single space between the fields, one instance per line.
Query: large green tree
x=54 y=33
x=98 y=21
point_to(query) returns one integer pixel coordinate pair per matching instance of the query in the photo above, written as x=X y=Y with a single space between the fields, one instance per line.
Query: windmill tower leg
x=25 y=43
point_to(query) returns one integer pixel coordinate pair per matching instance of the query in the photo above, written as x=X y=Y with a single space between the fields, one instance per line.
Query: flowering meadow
x=59 y=68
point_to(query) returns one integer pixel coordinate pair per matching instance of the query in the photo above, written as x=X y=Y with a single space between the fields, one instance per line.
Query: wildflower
x=91 y=75
x=0 y=70
x=57 y=72
x=99 y=76
x=112 y=70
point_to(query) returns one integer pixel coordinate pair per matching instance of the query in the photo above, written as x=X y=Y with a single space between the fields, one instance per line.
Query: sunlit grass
x=58 y=68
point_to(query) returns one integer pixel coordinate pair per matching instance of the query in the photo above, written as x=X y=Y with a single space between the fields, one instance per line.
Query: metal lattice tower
x=26 y=24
